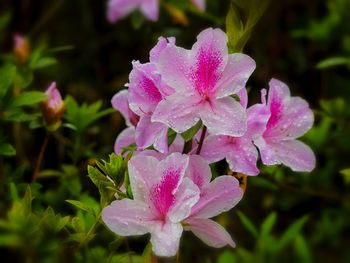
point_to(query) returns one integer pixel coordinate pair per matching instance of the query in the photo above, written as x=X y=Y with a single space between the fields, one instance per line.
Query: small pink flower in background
x=162 y=199
x=203 y=79
x=290 y=118
x=216 y=197
x=118 y=9
x=200 y=4
x=53 y=107
x=21 y=48
x=239 y=152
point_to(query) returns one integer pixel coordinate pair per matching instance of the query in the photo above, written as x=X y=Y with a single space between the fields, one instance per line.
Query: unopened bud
x=21 y=48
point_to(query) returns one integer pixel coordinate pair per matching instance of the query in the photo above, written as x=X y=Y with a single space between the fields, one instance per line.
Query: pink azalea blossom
x=290 y=118
x=53 y=107
x=162 y=199
x=239 y=152
x=200 y=4
x=118 y=9
x=203 y=79
x=216 y=197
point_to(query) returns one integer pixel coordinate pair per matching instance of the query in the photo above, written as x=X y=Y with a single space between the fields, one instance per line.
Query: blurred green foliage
x=283 y=216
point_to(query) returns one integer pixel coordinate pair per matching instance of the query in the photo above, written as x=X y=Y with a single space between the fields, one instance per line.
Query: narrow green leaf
x=7 y=75
x=42 y=63
x=302 y=249
x=292 y=231
x=248 y=224
x=190 y=133
x=7 y=149
x=268 y=224
x=82 y=206
x=28 y=98
x=333 y=62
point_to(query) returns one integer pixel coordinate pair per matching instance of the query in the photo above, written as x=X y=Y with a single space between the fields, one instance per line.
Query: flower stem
x=200 y=144
x=40 y=158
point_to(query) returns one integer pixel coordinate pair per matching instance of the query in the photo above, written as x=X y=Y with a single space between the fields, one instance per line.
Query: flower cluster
x=177 y=90
x=118 y=9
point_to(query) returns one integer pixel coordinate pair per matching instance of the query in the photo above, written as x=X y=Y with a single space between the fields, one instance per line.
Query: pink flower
x=203 y=79
x=200 y=4
x=216 y=197
x=53 y=107
x=239 y=152
x=162 y=199
x=118 y=9
x=290 y=118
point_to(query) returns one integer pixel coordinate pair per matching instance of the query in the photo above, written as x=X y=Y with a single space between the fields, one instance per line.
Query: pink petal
x=198 y=171
x=152 y=133
x=144 y=94
x=292 y=153
x=200 y=4
x=150 y=8
x=243 y=97
x=224 y=117
x=258 y=116
x=143 y=176
x=118 y=9
x=178 y=112
x=235 y=76
x=54 y=97
x=128 y=217
x=242 y=157
x=177 y=145
x=215 y=148
x=120 y=102
x=220 y=196
x=186 y=196
x=209 y=55
x=290 y=117
x=174 y=67
x=210 y=232
x=124 y=139
x=165 y=238
x=159 y=47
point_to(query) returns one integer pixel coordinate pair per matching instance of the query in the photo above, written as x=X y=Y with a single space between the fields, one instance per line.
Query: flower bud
x=21 y=48
x=53 y=107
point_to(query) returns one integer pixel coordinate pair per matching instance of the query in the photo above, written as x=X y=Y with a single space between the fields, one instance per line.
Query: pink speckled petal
x=159 y=47
x=210 y=232
x=177 y=112
x=258 y=116
x=118 y=9
x=150 y=8
x=165 y=238
x=243 y=97
x=143 y=176
x=124 y=139
x=220 y=196
x=200 y=4
x=215 y=148
x=292 y=153
x=144 y=94
x=128 y=217
x=152 y=133
x=198 y=171
x=235 y=76
x=120 y=102
x=224 y=117
x=186 y=196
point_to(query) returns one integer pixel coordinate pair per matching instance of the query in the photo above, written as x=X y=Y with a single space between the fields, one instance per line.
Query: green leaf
x=42 y=63
x=171 y=136
x=346 y=175
x=137 y=19
x=248 y=224
x=28 y=98
x=7 y=75
x=7 y=149
x=268 y=224
x=302 y=249
x=227 y=257
x=190 y=133
x=333 y=62
x=292 y=231
x=82 y=206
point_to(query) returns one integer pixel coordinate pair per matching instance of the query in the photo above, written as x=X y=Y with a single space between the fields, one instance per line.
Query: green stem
x=40 y=158
x=91 y=231
x=200 y=144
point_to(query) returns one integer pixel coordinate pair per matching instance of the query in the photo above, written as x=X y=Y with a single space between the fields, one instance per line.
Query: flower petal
x=120 y=102
x=200 y=4
x=198 y=171
x=118 y=9
x=235 y=76
x=162 y=43
x=186 y=196
x=243 y=97
x=128 y=217
x=149 y=133
x=178 y=112
x=150 y=9
x=165 y=239
x=215 y=148
x=220 y=196
x=209 y=232
x=292 y=153
x=224 y=117
x=258 y=116
x=124 y=139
